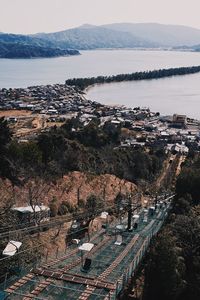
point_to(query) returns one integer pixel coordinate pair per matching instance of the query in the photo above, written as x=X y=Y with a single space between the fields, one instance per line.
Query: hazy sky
x=30 y=16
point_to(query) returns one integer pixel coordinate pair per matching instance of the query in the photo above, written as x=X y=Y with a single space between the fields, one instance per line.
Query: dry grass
x=14 y=113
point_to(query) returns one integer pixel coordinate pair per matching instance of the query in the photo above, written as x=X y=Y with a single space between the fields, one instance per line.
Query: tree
x=187 y=230
x=182 y=205
x=35 y=193
x=93 y=203
x=63 y=208
x=25 y=158
x=189 y=183
x=165 y=271
x=45 y=144
x=118 y=202
x=5 y=133
x=6 y=170
x=53 y=207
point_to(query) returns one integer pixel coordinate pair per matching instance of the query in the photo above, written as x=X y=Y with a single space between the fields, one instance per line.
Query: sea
x=178 y=94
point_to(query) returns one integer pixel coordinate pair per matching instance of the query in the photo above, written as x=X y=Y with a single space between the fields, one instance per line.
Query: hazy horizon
x=33 y=16
x=89 y=24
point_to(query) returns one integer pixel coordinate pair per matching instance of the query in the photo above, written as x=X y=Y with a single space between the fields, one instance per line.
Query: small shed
x=12 y=248
x=28 y=214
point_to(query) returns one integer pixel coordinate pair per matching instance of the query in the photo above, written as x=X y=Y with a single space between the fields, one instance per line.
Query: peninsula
x=83 y=83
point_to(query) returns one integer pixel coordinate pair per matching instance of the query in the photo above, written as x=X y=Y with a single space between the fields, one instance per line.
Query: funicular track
x=49 y=274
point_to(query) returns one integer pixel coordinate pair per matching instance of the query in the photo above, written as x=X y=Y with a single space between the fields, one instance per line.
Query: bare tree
x=37 y=189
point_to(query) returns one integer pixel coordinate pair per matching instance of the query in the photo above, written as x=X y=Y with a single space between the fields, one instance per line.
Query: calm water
x=181 y=94
x=168 y=95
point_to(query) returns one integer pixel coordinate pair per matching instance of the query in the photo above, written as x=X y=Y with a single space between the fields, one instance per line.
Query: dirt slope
x=71 y=187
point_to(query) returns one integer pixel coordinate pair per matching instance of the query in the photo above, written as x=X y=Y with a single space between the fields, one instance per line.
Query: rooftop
x=25 y=209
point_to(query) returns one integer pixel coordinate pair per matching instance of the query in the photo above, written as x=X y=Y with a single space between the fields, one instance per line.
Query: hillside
x=66 y=189
x=24 y=40
x=124 y=35
x=86 y=37
x=163 y=35
x=92 y=37
x=20 y=46
x=196 y=48
x=17 y=50
x=173 y=264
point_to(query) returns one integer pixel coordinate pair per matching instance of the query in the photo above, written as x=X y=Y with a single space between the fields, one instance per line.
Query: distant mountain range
x=124 y=35
x=85 y=37
x=162 y=35
x=95 y=37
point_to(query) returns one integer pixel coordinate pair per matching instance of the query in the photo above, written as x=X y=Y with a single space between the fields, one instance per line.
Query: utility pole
x=78 y=196
x=129 y=213
x=104 y=194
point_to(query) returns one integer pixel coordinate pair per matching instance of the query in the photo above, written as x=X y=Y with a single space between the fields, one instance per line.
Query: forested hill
x=112 y=36
x=83 y=83
x=15 y=50
x=124 y=35
x=21 y=46
x=160 y=34
x=172 y=269
x=91 y=149
x=95 y=37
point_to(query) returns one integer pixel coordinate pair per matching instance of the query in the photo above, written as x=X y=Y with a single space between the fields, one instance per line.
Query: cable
x=29 y=249
x=35 y=247
x=53 y=223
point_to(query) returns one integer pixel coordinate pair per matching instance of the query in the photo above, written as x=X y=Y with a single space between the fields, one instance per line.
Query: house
x=11 y=248
x=11 y=119
x=179 y=121
x=180 y=148
x=116 y=122
x=32 y=214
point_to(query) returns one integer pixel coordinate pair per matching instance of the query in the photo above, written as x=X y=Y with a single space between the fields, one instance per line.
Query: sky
x=31 y=16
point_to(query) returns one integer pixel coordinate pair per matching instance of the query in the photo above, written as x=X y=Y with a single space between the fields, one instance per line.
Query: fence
x=121 y=272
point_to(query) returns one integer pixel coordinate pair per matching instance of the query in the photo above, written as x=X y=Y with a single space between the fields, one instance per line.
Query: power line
x=67 y=235
x=56 y=221
x=35 y=247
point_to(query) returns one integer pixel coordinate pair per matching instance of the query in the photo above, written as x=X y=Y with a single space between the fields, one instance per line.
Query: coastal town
x=87 y=251
x=32 y=110
x=100 y=150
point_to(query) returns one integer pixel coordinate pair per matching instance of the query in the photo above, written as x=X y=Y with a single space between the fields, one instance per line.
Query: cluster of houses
x=176 y=133
x=146 y=129
x=54 y=99
x=58 y=102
